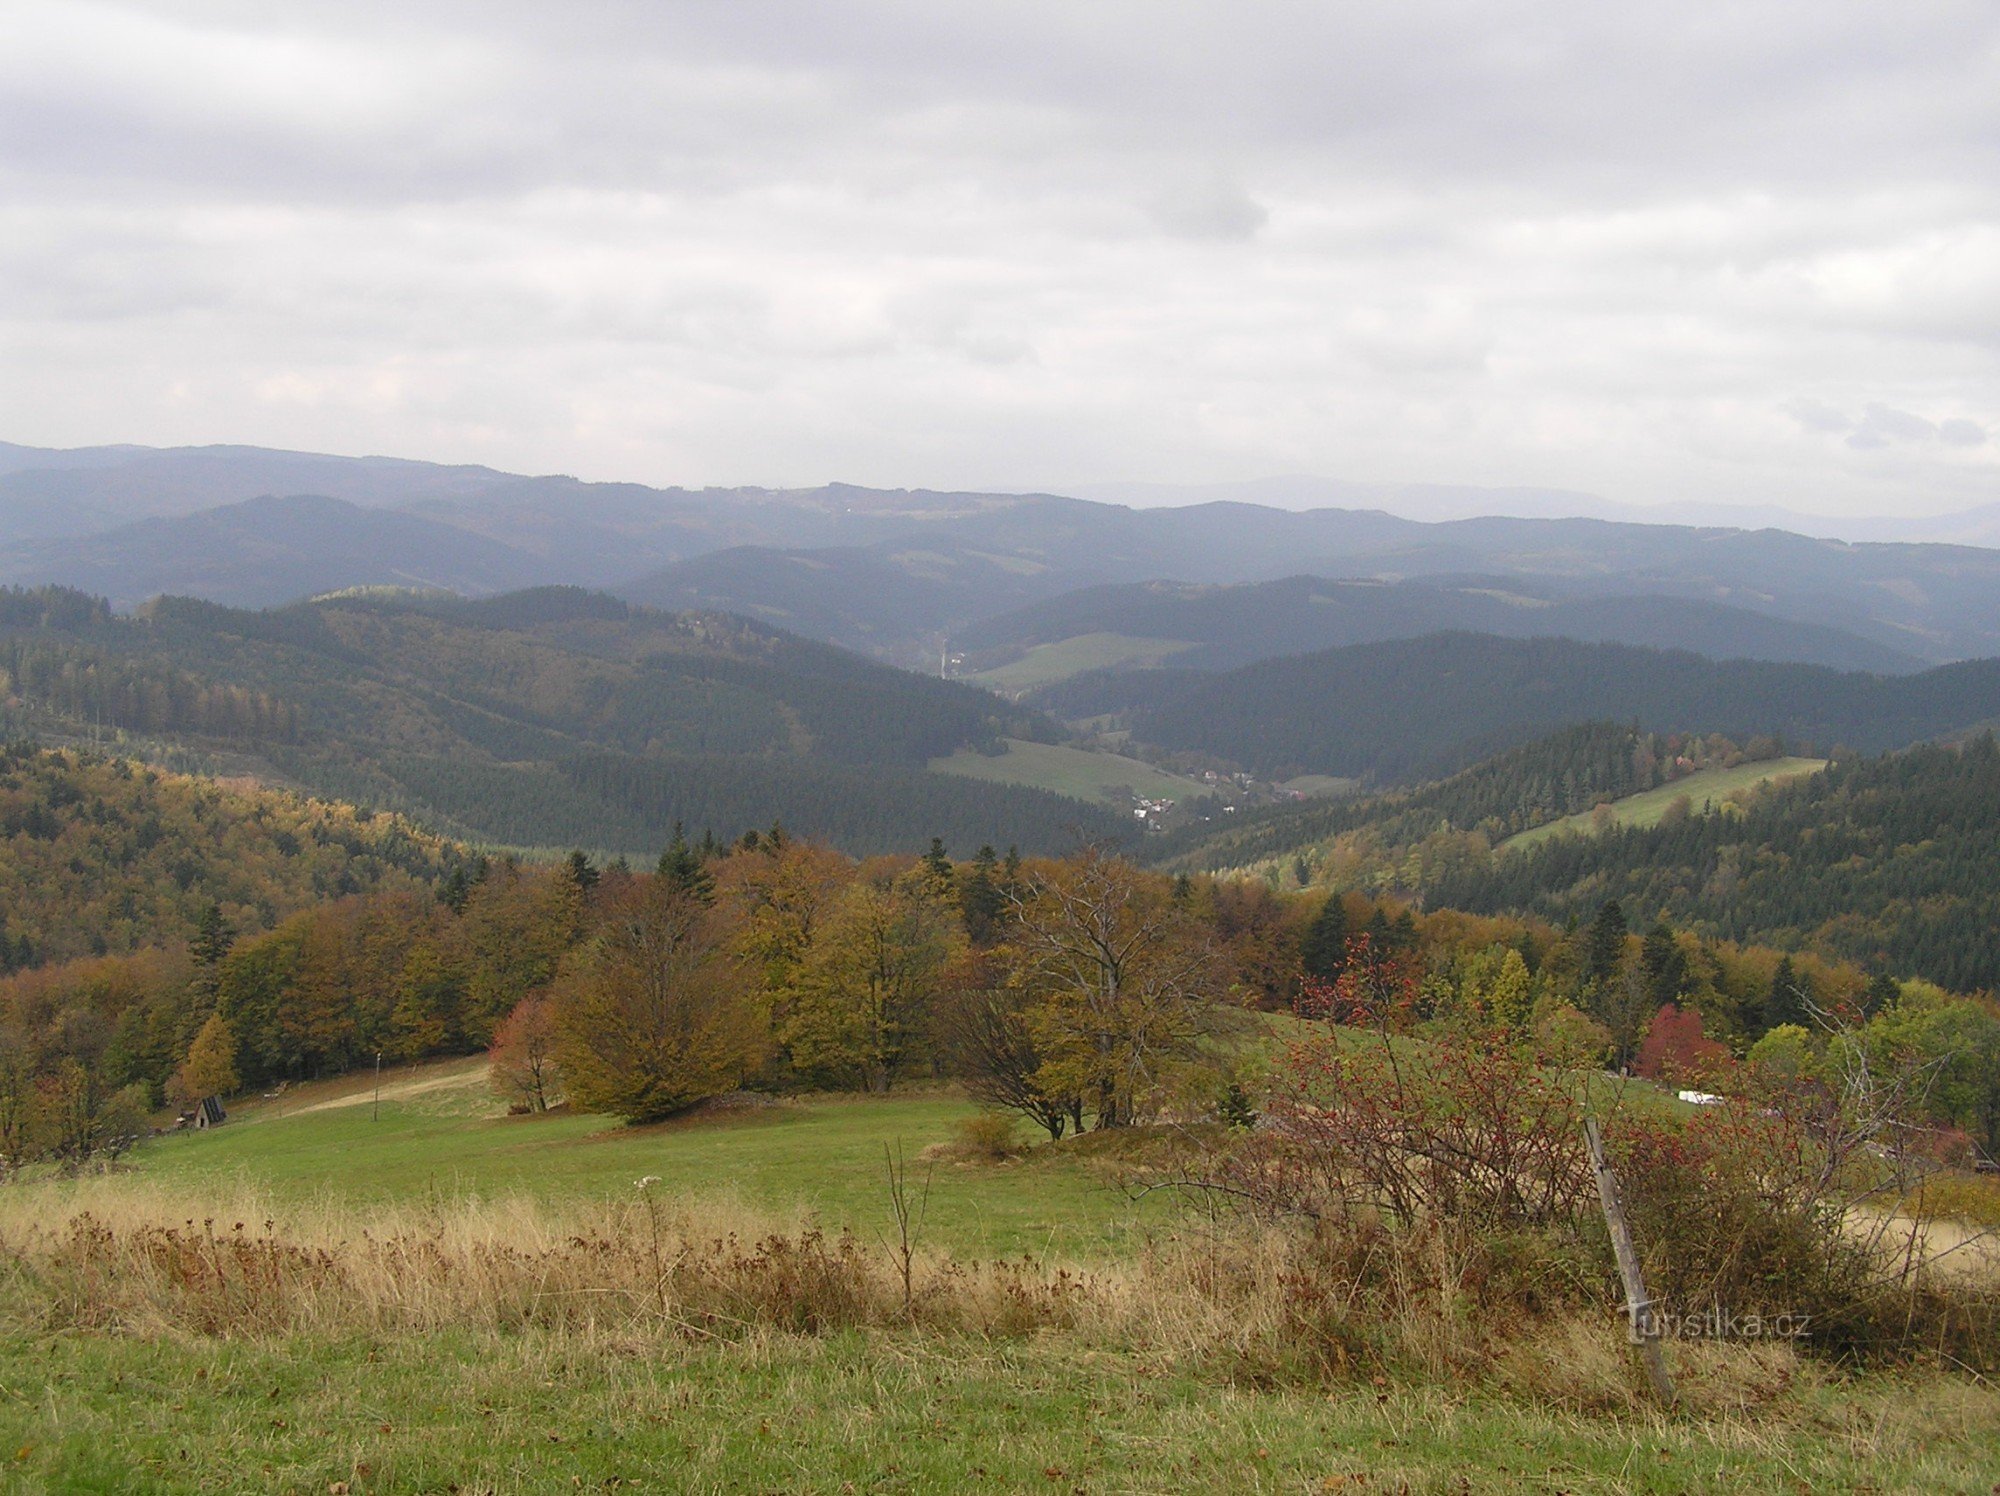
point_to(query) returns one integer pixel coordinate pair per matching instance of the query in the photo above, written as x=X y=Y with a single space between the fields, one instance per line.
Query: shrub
x=988 y=1136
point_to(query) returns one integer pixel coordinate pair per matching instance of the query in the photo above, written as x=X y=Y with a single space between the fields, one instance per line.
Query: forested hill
x=101 y=856
x=1422 y=708
x=480 y=717
x=1889 y=862
x=1561 y=775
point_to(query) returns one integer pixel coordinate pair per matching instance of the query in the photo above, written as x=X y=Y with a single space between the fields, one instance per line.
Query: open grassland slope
x=1706 y=788
x=1044 y=664
x=157 y=1340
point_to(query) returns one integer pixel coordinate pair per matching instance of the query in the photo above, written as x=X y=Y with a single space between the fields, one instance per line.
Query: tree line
x=1078 y=992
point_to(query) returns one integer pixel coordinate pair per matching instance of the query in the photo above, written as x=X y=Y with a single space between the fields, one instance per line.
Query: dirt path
x=395 y=1090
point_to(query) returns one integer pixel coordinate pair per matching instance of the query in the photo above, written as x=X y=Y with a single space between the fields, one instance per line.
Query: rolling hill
x=99 y=858
x=1884 y=861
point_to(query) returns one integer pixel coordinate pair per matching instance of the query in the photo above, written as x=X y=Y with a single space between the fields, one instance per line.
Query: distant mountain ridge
x=1236 y=625
x=552 y=717
x=900 y=571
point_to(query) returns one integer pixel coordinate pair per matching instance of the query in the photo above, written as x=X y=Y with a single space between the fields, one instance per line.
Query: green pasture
x=1045 y=664
x=1647 y=807
x=440 y=1134
x=1077 y=772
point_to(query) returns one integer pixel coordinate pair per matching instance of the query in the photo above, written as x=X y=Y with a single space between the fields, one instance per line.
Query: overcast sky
x=1664 y=250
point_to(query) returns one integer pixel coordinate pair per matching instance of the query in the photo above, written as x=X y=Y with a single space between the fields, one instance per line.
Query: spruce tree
x=1604 y=943
x=681 y=866
x=1323 y=952
x=1786 y=1000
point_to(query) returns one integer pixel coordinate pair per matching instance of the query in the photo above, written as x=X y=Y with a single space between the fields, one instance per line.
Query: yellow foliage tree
x=862 y=993
x=1124 y=982
x=210 y=1067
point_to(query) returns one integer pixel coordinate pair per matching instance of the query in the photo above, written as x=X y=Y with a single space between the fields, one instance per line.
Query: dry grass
x=1420 y=1342
x=1260 y=1306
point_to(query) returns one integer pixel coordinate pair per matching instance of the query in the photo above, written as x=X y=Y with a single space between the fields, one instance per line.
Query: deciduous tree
x=651 y=1015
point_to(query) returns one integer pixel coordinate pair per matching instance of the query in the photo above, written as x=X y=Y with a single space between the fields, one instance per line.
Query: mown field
x=1044 y=664
x=1069 y=771
x=1704 y=785
x=318 y=1298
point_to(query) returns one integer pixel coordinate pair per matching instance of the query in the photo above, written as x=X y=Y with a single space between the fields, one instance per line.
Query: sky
x=1673 y=253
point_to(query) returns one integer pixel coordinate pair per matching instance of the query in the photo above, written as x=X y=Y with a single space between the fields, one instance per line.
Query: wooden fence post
x=1643 y=1327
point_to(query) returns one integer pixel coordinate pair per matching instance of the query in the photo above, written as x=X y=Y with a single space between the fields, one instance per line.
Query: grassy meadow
x=443 y=1136
x=1648 y=806
x=1069 y=771
x=315 y=1298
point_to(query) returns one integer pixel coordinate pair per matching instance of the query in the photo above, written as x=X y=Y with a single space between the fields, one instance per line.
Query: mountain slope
x=267 y=551
x=97 y=856
x=550 y=717
x=1887 y=862
x=1419 y=708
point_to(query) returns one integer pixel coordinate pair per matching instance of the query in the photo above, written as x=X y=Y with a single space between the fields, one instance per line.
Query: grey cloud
x=1814 y=416
x=1211 y=206
x=1647 y=249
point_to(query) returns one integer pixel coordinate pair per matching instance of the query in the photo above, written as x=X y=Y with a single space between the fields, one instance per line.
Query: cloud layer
x=1666 y=251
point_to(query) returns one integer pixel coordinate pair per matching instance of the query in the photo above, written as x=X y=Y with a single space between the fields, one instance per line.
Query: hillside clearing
x=1076 y=772
x=1045 y=664
x=1706 y=786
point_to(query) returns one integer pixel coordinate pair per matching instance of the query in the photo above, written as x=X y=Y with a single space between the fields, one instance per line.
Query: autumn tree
x=210 y=1066
x=1510 y=996
x=861 y=995
x=1123 y=980
x=651 y=1015
x=17 y=1094
x=986 y=1037
x=525 y=1069
x=1676 y=1049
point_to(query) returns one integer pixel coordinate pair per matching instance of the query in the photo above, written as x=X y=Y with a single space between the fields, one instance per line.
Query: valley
x=604 y=975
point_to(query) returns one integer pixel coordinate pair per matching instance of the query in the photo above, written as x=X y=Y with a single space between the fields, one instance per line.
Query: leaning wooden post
x=1643 y=1327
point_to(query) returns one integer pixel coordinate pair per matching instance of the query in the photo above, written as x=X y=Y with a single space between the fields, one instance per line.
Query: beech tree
x=210 y=1067
x=861 y=994
x=651 y=1015
x=989 y=1042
